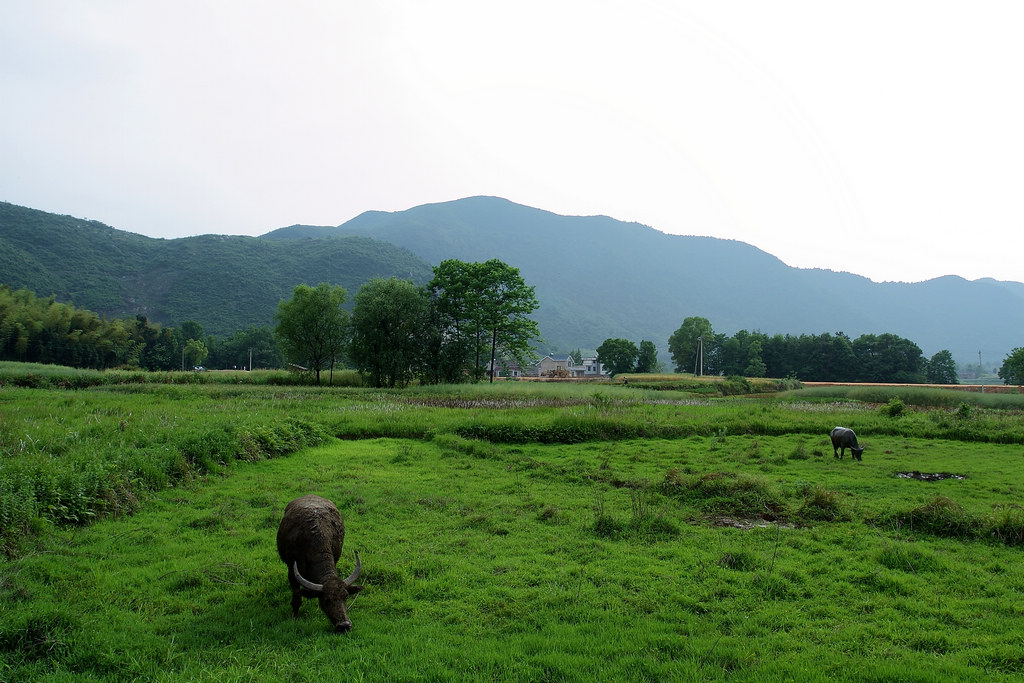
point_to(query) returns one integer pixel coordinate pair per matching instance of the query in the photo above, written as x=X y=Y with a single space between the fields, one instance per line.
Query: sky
x=884 y=139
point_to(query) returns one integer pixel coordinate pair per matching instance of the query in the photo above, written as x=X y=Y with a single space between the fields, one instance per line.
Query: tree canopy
x=617 y=355
x=687 y=340
x=482 y=312
x=1012 y=370
x=387 y=331
x=312 y=327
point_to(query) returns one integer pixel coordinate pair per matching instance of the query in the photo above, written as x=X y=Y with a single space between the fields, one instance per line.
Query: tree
x=195 y=352
x=617 y=355
x=647 y=360
x=312 y=327
x=457 y=333
x=253 y=347
x=755 y=366
x=888 y=358
x=483 y=310
x=685 y=342
x=387 y=326
x=942 y=368
x=1012 y=370
x=505 y=303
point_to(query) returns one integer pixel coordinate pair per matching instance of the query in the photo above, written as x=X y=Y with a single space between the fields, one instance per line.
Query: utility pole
x=698 y=362
x=980 y=373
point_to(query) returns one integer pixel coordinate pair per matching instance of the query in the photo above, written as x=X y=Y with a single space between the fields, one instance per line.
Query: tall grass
x=70 y=455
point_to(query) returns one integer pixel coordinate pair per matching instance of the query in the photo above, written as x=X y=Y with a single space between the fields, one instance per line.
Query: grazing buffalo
x=843 y=438
x=309 y=542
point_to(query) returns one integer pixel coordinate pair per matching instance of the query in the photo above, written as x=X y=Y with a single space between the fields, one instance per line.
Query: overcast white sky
x=881 y=138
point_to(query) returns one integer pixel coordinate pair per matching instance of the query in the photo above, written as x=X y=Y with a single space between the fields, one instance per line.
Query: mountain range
x=595 y=277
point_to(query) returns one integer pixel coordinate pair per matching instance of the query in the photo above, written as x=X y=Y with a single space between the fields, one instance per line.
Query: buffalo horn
x=355 y=572
x=315 y=587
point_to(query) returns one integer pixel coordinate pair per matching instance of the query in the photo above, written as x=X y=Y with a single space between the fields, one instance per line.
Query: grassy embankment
x=514 y=532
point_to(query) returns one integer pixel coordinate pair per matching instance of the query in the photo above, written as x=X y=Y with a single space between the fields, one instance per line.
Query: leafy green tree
x=190 y=329
x=312 y=327
x=253 y=347
x=506 y=301
x=647 y=359
x=387 y=327
x=617 y=355
x=483 y=312
x=888 y=358
x=685 y=342
x=755 y=366
x=1012 y=370
x=195 y=352
x=161 y=347
x=457 y=338
x=443 y=353
x=941 y=369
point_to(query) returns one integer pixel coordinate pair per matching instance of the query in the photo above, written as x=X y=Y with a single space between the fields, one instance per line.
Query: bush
x=894 y=408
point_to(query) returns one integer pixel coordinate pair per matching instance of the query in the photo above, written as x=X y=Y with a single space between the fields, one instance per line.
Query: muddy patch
x=930 y=476
x=746 y=524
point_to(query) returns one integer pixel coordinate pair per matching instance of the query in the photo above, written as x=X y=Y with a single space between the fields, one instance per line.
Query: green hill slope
x=224 y=283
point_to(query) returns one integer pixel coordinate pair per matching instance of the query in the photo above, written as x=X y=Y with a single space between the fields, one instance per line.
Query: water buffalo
x=309 y=542
x=843 y=438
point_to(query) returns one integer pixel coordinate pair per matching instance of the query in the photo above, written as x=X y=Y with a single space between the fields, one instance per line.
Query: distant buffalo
x=309 y=542
x=843 y=438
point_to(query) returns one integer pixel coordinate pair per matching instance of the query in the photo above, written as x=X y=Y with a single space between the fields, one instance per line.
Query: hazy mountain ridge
x=596 y=277
x=636 y=282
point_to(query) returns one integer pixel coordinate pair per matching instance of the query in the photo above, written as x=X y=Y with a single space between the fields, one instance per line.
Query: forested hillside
x=224 y=283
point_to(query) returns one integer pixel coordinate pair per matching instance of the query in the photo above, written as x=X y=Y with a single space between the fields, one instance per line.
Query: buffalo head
x=333 y=594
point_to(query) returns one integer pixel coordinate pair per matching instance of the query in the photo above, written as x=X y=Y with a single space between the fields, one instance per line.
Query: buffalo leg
x=296 y=603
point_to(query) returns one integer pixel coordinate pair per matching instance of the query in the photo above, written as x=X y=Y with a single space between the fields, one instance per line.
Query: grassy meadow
x=511 y=532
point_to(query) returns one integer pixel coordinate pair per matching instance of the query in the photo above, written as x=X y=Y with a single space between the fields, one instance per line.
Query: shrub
x=894 y=408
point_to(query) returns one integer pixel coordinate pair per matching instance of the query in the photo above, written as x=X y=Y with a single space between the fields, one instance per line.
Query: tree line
x=450 y=330
x=696 y=347
x=446 y=331
x=43 y=330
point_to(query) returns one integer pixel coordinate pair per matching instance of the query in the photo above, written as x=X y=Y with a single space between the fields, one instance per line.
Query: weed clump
x=822 y=504
x=1007 y=525
x=740 y=560
x=799 y=453
x=727 y=493
x=941 y=516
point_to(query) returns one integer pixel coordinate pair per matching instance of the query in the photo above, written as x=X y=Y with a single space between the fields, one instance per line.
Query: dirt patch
x=746 y=523
x=933 y=476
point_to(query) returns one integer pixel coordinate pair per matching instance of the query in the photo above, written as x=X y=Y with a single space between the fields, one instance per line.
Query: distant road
x=981 y=388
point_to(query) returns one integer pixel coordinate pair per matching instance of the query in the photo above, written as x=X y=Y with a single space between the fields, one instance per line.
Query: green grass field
x=512 y=533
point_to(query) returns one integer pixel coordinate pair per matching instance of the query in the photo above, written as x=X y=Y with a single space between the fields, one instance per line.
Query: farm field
x=510 y=533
